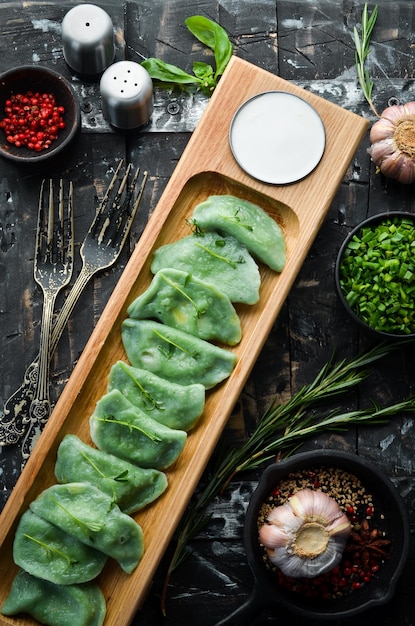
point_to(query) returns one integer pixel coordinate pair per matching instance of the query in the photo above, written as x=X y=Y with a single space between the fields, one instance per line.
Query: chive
x=377 y=275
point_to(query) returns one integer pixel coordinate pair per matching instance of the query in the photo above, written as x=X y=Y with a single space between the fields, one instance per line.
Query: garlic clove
x=393 y=113
x=409 y=110
x=340 y=527
x=399 y=167
x=302 y=502
x=315 y=505
x=284 y=517
x=383 y=129
x=381 y=149
x=273 y=537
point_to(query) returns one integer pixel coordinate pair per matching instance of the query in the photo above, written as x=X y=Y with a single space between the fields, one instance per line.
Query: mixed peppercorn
x=32 y=120
x=367 y=547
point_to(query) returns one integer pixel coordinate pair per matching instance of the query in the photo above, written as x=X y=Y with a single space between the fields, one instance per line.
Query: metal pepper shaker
x=126 y=95
x=88 y=39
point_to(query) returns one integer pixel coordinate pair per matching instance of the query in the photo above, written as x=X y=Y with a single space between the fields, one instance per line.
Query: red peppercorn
x=32 y=120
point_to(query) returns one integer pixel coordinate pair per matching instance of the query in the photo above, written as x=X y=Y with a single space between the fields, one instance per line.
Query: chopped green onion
x=377 y=275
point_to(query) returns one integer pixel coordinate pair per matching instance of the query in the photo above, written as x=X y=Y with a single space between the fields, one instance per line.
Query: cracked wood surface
x=309 y=43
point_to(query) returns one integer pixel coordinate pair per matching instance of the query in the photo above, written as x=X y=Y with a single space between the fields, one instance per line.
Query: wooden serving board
x=206 y=167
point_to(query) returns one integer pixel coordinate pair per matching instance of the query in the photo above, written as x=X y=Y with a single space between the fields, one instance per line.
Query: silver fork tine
x=120 y=227
x=105 y=214
x=95 y=256
x=52 y=271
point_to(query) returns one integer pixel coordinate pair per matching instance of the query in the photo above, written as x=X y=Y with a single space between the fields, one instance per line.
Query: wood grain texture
x=309 y=43
x=203 y=170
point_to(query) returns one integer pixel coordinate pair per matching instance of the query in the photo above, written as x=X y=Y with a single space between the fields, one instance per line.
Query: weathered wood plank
x=310 y=44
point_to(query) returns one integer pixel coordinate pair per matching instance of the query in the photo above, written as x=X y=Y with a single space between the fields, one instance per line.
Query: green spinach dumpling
x=85 y=512
x=175 y=355
x=46 y=551
x=55 y=605
x=120 y=428
x=218 y=259
x=175 y=406
x=248 y=223
x=131 y=487
x=183 y=301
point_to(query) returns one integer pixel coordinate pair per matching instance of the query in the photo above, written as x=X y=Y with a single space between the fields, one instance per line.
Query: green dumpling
x=131 y=487
x=55 y=605
x=175 y=355
x=120 y=428
x=48 y=552
x=248 y=223
x=85 y=512
x=175 y=406
x=183 y=301
x=220 y=260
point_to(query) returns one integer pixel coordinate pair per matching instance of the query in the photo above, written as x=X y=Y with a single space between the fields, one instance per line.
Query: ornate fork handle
x=15 y=419
x=39 y=408
x=52 y=271
x=16 y=408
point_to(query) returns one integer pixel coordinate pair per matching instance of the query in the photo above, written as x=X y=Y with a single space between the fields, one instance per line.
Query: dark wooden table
x=311 y=44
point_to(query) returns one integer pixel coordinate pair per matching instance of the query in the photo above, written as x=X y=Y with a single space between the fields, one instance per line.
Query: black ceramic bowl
x=372 y=327
x=35 y=78
x=268 y=593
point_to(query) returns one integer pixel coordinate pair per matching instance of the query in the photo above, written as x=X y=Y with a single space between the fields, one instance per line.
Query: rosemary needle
x=282 y=429
x=362 y=50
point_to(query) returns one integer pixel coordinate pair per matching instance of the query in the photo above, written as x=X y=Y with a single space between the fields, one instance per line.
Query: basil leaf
x=205 y=73
x=214 y=36
x=160 y=70
x=202 y=70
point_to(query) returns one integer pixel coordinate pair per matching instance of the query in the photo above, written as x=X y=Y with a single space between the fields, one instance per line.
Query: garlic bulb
x=306 y=536
x=393 y=142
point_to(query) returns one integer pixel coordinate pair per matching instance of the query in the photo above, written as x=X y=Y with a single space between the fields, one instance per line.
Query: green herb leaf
x=362 y=50
x=173 y=344
x=111 y=420
x=214 y=36
x=205 y=77
x=165 y=72
x=51 y=550
x=93 y=526
x=204 y=71
x=151 y=403
x=122 y=477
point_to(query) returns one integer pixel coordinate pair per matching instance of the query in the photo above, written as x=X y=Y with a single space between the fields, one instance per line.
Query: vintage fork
x=100 y=249
x=53 y=265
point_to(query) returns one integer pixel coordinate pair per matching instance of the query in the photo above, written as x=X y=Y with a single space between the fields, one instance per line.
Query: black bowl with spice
x=39 y=114
x=375 y=275
x=371 y=558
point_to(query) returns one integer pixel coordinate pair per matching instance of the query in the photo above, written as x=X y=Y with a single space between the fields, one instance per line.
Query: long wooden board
x=206 y=167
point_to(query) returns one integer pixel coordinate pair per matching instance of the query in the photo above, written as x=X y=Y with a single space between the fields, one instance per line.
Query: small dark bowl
x=374 y=332
x=36 y=78
x=268 y=593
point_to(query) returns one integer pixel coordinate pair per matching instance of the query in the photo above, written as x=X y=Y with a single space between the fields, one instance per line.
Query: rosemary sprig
x=281 y=430
x=193 y=355
x=362 y=45
x=152 y=403
x=174 y=285
x=225 y=259
x=51 y=550
x=94 y=527
x=131 y=427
